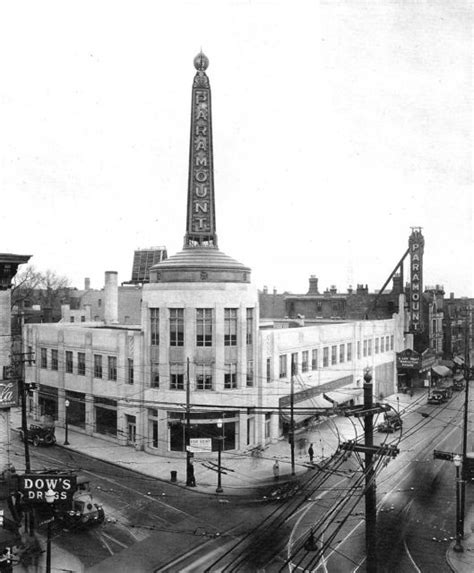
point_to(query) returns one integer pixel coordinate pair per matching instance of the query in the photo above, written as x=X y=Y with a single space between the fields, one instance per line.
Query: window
x=153 y=427
x=176 y=327
x=83 y=318
x=391 y=342
x=130 y=372
x=349 y=351
x=81 y=363
x=382 y=344
x=54 y=359
x=176 y=377
x=230 y=327
x=112 y=368
x=204 y=327
x=203 y=377
x=269 y=370
x=71 y=319
x=333 y=354
x=155 y=326
x=97 y=366
x=249 y=372
x=305 y=361
x=369 y=347
x=342 y=353
x=325 y=357
x=376 y=346
x=230 y=376
x=69 y=362
x=44 y=358
x=155 y=375
x=282 y=364
x=314 y=359
x=365 y=347
x=358 y=349
x=387 y=343
x=249 y=325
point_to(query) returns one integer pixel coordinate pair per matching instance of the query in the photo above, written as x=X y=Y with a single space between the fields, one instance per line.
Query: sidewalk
x=241 y=471
x=463 y=562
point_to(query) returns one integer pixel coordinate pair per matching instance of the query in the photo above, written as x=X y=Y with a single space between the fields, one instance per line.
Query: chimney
x=349 y=290
x=313 y=285
x=451 y=295
x=265 y=290
x=333 y=289
x=274 y=290
x=87 y=283
x=111 y=297
x=397 y=284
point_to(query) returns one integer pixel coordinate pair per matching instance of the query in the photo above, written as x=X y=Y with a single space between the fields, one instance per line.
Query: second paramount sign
x=34 y=486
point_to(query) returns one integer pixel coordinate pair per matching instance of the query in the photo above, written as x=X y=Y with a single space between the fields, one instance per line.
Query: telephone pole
x=467 y=375
x=189 y=468
x=292 y=418
x=367 y=411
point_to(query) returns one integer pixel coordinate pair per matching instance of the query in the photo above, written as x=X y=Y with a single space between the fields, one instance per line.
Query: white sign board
x=200 y=445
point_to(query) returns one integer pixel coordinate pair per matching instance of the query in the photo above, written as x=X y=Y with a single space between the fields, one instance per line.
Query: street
x=153 y=525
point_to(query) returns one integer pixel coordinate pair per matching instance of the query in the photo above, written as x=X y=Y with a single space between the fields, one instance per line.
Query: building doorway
x=131 y=430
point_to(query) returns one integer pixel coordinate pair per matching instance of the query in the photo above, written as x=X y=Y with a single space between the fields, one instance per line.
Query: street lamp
x=457 y=459
x=50 y=496
x=66 y=443
x=220 y=439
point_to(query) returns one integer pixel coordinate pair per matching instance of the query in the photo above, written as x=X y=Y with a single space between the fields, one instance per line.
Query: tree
x=31 y=286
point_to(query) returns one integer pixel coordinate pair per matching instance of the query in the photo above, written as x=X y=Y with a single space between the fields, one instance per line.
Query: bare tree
x=31 y=286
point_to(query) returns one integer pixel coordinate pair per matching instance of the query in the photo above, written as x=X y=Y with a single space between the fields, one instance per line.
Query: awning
x=447 y=363
x=343 y=395
x=442 y=371
x=458 y=360
x=306 y=409
x=458 y=377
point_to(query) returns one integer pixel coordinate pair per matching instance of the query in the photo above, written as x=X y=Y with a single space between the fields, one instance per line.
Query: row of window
x=204 y=326
x=336 y=354
x=98 y=367
x=204 y=376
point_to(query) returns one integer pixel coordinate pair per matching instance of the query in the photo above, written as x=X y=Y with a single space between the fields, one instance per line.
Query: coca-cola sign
x=8 y=394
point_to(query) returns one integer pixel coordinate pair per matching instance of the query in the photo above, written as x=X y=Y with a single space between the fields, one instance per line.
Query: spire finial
x=201 y=62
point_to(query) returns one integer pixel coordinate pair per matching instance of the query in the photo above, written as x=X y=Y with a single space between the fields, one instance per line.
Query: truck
x=83 y=512
x=391 y=423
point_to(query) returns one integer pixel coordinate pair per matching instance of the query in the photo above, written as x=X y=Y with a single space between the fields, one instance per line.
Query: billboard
x=8 y=394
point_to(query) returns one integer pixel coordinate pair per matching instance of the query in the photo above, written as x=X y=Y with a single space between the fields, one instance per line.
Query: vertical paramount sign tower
x=201 y=220
x=416 y=243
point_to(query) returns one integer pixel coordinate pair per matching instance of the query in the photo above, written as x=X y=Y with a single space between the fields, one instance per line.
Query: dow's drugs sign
x=34 y=487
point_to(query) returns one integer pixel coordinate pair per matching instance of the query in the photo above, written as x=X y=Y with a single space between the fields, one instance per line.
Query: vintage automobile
x=436 y=397
x=392 y=422
x=84 y=512
x=39 y=434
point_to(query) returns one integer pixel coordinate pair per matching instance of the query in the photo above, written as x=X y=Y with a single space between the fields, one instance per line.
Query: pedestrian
x=310 y=453
x=276 y=470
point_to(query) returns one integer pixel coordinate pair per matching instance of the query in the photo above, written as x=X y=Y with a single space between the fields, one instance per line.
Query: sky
x=337 y=126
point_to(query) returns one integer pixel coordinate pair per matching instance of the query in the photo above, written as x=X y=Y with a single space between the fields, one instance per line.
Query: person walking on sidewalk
x=276 y=470
x=310 y=453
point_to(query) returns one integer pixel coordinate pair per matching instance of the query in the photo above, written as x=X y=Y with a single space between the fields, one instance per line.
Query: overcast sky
x=337 y=125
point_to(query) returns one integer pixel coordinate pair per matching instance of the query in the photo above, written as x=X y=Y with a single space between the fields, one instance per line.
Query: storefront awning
x=458 y=377
x=458 y=360
x=306 y=409
x=343 y=395
x=442 y=371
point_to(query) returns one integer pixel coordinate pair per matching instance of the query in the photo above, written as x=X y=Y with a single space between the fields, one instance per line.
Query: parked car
x=436 y=398
x=392 y=422
x=39 y=434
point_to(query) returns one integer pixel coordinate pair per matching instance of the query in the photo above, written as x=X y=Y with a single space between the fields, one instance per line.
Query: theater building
x=200 y=364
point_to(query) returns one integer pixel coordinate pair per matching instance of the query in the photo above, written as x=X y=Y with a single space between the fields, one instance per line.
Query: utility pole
x=189 y=468
x=367 y=411
x=467 y=372
x=292 y=417
x=370 y=493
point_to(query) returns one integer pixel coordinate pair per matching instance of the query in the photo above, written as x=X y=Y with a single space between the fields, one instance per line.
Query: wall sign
x=416 y=244
x=8 y=394
x=34 y=487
